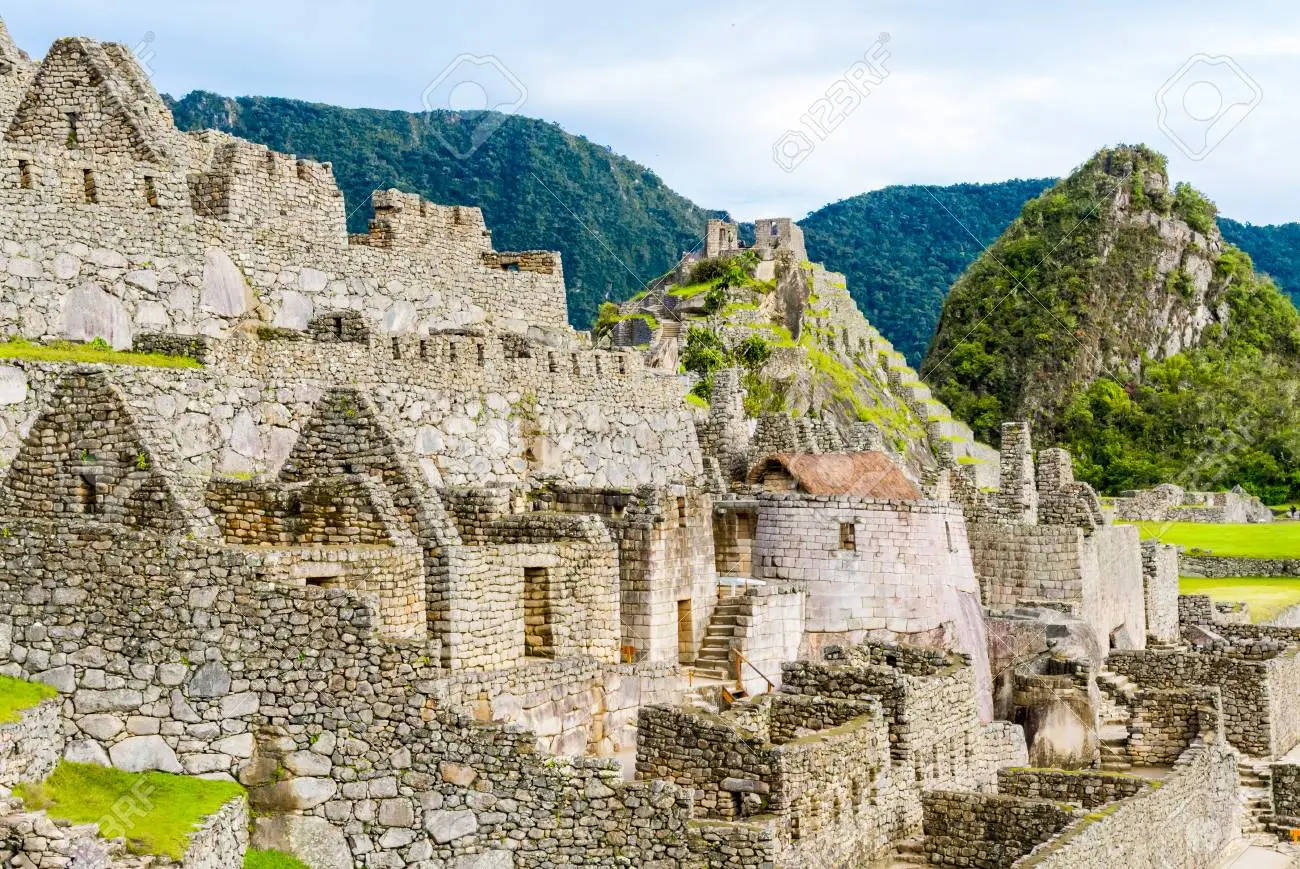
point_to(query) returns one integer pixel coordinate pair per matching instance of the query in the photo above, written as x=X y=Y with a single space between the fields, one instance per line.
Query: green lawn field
x=1262 y=540
x=1266 y=595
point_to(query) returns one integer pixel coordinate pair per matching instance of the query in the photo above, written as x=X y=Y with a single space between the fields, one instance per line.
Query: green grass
x=255 y=859
x=69 y=351
x=17 y=695
x=1267 y=540
x=156 y=812
x=1267 y=595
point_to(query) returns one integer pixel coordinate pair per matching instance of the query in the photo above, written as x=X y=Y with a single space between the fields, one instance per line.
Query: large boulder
x=314 y=841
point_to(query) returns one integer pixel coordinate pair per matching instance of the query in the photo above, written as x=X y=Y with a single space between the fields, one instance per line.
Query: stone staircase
x=714 y=661
x=1113 y=715
x=1255 y=784
x=909 y=852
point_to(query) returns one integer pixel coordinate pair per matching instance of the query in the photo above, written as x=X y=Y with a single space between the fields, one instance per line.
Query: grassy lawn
x=17 y=695
x=1266 y=595
x=97 y=351
x=1267 y=540
x=156 y=812
x=255 y=859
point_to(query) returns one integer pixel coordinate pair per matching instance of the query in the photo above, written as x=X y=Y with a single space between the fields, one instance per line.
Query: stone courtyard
x=441 y=583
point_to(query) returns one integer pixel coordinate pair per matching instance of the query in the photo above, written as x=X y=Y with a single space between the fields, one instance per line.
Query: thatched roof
x=864 y=474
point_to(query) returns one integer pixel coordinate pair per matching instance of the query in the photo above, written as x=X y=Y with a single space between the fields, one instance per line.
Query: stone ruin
x=441 y=584
x=1170 y=503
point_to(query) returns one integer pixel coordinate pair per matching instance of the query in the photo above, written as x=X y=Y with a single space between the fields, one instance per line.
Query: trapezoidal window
x=89 y=191
x=24 y=175
x=150 y=191
x=89 y=494
x=539 y=635
x=848 y=537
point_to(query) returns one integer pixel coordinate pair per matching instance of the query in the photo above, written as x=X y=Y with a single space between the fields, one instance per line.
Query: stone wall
x=1252 y=689
x=667 y=575
x=1170 y=503
x=206 y=229
x=1285 y=786
x=1098 y=574
x=1160 y=588
x=31 y=746
x=1081 y=787
x=323 y=721
x=886 y=570
x=769 y=634
x=1186 y=821
x=988 y=831
x=734 y=524
x=1165 y=723
x=1224 y=566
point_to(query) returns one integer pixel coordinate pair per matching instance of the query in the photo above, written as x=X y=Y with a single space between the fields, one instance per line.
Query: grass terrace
x=1265 y=540
x=95 y=351
x=164 y=810
x=19 y=695
x=1267 y=596
x=257 y=859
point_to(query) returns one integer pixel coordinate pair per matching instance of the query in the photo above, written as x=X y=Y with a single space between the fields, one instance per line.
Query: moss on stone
x=19 y=695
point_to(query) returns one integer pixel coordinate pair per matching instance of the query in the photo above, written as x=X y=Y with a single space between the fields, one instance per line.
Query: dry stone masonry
x=441 y=584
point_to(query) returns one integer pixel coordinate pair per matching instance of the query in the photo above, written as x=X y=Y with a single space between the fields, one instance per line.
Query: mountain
x=1114 y=316
x=901 y=247
x=614 y=221
x=1274 y=249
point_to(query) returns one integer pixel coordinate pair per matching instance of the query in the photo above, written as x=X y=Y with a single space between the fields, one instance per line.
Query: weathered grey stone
x=224 y=290
x=447 y=826
x=141 y=753
x=315 y=841
x=210 y=680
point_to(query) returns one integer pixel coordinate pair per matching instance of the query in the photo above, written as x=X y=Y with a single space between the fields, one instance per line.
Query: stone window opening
x=89 y=190
x=150 y=191
x=794 y=828
x=270 y=164
x=773 y=231
x=89 y=495
x=424 y=349
x=510 y=267
x=482 y=353
x=577 y=366
x=338 y=327
x=681 y=512
x=452 y=354
x=321 y=582
x=24 y=175
x=552 y=363
x=539 y=636
x=72 y=130
x=397 y=349
x=848 y=537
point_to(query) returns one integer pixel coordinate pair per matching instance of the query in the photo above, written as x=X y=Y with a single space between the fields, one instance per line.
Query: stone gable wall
x=1160 y=588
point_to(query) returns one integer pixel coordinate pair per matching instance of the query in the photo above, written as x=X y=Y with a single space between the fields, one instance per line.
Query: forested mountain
x=1113 y=315
x=900 y=248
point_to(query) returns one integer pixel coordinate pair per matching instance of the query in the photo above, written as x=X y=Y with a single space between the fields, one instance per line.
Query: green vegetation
x=95 y=351
x=1267 y=596
x=1259 y=540
x=538 y=186
x=900 y=248
x=156 y=812
x=19 y=695
x=256 y=859
x=1274 y=249
x=1053 y=324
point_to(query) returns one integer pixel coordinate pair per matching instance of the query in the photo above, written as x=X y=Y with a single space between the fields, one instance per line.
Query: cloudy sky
x=705 y=93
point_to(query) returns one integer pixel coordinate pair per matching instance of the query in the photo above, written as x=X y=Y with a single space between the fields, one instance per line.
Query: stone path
x=1259 y=853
